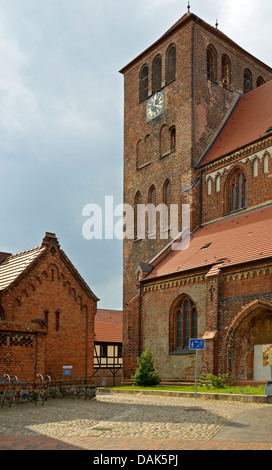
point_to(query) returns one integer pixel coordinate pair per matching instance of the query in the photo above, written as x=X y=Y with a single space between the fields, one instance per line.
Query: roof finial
x=188 y=6
x=216 y=24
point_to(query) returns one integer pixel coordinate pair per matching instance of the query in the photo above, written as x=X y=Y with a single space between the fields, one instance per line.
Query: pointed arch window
x=166 y=204
x=237 y=191
x=137 y=221
x=248 y=83
x=211 y=63
x=184 y=325
x=171 y=64
x=152 y=213
x=157 y=74
x=143 y=85
x=225 y=70
x=260 y=81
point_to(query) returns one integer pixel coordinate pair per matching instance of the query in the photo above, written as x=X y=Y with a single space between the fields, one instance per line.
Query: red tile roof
x=249 y=121
x=241 y=239
x=13 y=266
x=109 y=326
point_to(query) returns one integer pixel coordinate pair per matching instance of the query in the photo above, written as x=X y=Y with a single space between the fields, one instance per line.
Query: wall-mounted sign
x=67 y=370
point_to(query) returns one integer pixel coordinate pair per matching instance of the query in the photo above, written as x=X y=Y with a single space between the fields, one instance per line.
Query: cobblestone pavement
x=125 y=422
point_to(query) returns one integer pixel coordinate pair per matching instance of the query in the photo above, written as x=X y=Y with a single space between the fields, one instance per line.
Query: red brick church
x=198 y=132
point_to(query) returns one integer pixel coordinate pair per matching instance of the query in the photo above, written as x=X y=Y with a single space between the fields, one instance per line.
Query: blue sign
x=197 y=344
x=67 y=372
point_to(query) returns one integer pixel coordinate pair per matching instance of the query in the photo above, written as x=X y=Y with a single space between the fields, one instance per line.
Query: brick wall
x=50 y=304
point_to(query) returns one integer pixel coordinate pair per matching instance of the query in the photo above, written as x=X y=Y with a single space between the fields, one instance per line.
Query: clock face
x=155 y=106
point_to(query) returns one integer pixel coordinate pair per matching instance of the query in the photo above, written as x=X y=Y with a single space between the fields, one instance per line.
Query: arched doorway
x=251 y=329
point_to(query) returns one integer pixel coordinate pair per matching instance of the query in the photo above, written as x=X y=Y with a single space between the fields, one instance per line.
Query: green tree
x=145 y=375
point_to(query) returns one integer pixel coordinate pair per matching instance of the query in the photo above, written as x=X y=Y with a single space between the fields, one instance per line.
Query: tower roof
x=184 y=20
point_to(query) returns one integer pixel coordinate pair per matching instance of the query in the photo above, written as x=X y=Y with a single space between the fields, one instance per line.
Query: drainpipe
x=140 y=319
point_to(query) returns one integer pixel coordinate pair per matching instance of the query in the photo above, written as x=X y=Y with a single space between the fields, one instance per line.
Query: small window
x=171 y=65
x=211 y=63
x=255 y=167
x=225 y=70
x=265 y=164
x=260 y=81
x=157 y=74
x=152 y=213
x=209 y=187
x=103 y=351
x=57 y=317
x=248 y=84
x=120 y=350
x=166 y=204
x=143 y=83
x=217 y=183
x=172 y=131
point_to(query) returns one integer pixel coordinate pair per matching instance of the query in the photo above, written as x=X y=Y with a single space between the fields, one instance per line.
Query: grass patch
x=235 y=390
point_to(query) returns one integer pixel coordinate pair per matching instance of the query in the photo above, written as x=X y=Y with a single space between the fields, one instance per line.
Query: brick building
x=197 y=133
x=47 y=314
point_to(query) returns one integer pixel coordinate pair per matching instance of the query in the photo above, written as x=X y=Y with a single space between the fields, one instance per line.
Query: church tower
x=177 y=95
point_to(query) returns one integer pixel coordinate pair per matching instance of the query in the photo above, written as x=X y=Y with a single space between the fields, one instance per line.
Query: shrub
x=214 y=381
x=145 y=375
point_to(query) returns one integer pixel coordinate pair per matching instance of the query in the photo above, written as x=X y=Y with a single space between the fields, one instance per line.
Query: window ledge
x=181 y=352
x=167 y=153
x=143 y=166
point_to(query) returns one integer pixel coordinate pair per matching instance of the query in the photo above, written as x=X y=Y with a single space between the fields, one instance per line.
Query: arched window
x=217 y=183
x=260 y=81
x=137 y=221
x=167 y=140
x=152 y=212
x=183 y=325
x=211 y=63
x=266 y=163
x=172 y=131
x=255 y=167
x=248 y=84
x=171 y=64
x=166 y=204
x=157 y=74
x=57 y=318
x=225 y=70
x=236 y=191
x=143 y=83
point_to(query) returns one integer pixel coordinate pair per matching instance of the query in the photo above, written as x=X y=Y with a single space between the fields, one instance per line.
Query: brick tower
x=177 y=95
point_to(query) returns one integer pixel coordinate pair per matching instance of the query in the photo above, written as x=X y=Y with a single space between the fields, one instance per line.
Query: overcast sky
x=61 y=113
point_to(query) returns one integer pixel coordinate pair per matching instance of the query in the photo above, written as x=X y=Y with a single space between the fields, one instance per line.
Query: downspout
x=140 y=320
x=193 y=95
x=201 y=199
x=86 y=347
